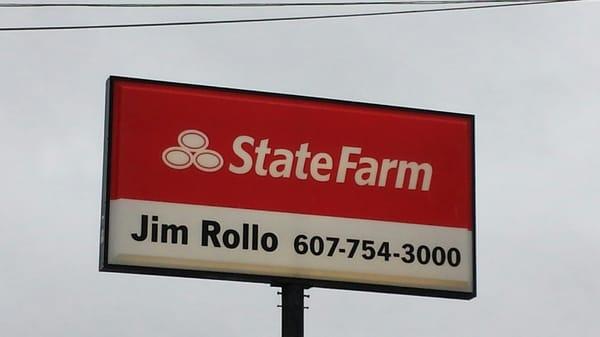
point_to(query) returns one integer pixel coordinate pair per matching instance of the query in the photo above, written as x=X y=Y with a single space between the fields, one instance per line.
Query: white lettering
x=386 y=166
x=243 y=155
x=414 y=168
x=282 y=167
x=345 y=164
x=302 y=154
x=262 y=150
x=369 y=171
x=321 y=161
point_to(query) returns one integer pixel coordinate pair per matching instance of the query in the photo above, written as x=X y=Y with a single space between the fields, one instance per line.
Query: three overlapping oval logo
x=192 y=150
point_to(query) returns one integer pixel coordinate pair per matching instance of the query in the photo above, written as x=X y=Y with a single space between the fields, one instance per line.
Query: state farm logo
x=192 y=150
x=261 y=159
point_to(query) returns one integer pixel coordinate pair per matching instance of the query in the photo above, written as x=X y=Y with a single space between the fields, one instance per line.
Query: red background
x=147 y=118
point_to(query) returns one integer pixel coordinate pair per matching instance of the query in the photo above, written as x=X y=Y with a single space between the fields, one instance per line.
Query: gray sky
x=531 y=75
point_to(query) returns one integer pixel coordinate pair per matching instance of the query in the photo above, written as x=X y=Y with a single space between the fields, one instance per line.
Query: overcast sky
x=530 y=75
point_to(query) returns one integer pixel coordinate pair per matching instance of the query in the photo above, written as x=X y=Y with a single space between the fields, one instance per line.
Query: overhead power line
x=261 y=4
x=279 y=19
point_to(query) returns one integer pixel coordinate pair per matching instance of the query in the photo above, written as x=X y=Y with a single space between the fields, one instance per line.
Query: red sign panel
x=301 y=160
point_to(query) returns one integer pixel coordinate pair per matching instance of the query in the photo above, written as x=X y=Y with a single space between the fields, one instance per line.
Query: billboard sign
x=240 y=185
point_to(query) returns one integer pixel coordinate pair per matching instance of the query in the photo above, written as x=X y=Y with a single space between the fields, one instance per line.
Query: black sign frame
x=104 y=266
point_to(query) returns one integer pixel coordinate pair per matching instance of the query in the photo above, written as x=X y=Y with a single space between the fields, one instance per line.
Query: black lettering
x=254 y=237
x=174 y=230
x=264 y=242
x=154 y=229
x=453 y=257
x=410 y=253
x=245 y=238
x=231 y=238
x=210 y=229
x=143 y=230
x=423 y=254
x=439 y=256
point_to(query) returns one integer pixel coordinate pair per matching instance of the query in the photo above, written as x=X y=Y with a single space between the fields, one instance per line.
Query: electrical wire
x=278 y=19
x=260 y=4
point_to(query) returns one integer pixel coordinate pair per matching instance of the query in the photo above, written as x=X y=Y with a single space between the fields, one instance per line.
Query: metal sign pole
x=292 y=310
